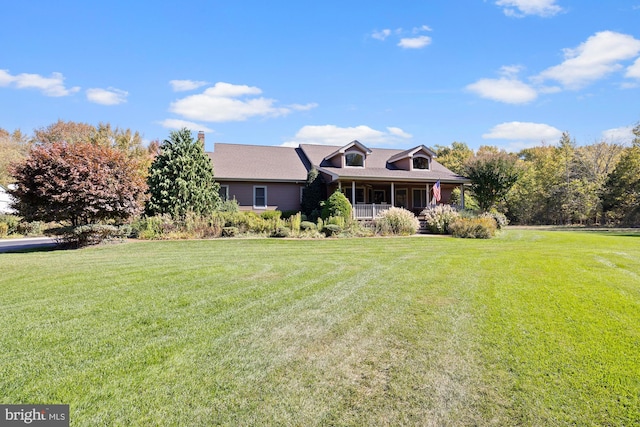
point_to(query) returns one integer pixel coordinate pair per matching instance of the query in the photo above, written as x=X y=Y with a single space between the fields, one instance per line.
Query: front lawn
x=530 y=328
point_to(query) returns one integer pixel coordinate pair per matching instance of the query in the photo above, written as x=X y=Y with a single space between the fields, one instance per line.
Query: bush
x=474 y=228
x=4 y=229
x=439 y=217
x=295 y=221
x=308 y=225
x=85 y=235
x=397 y=221
x=33 y=228
x=281 y=231
x=153 y=227
x=230 y=206
x=271 y=215
x=12 y=222
x=331 y=230
x=500 y=218
x=229 y=231
x=337 y=206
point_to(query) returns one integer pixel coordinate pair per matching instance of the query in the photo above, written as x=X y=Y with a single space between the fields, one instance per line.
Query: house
x=5 y=201
x=373 y=179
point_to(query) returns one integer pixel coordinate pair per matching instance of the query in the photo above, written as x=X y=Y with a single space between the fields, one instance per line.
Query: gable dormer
x=354 y=154
x=415 y=159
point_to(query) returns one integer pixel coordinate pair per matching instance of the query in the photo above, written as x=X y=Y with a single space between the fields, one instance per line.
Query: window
x=420 y=163
x=419 y=197
x=379 y=196
x=354 y=159
x=259 y=197
x=401 y=198
x=224 y=192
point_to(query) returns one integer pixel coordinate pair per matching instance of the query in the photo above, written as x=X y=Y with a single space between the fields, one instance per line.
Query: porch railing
x=369 y=210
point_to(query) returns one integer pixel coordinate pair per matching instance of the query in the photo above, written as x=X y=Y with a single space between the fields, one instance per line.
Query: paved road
x=12 y=245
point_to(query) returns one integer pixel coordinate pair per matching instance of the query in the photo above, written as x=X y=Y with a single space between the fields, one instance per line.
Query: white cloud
x=621 y=135
x=505 y=89
x=594 y=59
x=225 y=102
x=634 y=70
x=50 y=86
x=110 y=96
x=399 y=132
x=415 y=42
x=521 y=8
x=527 y=131
x=421 y=29
x=185 y=85
x=179 y=124
x=335 y=135
x=381 y=35
x=303 y=107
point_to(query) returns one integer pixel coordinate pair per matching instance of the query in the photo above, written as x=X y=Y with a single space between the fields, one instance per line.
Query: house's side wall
x=280 y=196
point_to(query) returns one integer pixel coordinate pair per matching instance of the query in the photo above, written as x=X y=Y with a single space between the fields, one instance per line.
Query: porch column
x=428 y=201
x=353 y=192
x=393 y=194
x=462 y=196
x=340 y=186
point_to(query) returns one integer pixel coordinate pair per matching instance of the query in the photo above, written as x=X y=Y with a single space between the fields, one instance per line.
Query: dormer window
x=421 y=163
x=354 y=159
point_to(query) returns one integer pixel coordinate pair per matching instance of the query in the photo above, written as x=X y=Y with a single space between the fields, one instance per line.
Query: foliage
x=271 y=215
x=492 y=175
x=81 y=183
x=331 y=230
x=312 y=194
x=500 y=218
x=13 y=148
x=231 y=205
x=281 y=231
x=621 y=197
x=482 y=227
x=337 y=206
x=181 y=178
x=439 y=217
x=397 y=221
x=4 y=229
x=295 y=221
x=87 y=234
x=12 y=222
x=454 y=157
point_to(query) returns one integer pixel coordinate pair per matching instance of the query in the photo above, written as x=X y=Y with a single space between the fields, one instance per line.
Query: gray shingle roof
x=269 y=163
x=257 y=162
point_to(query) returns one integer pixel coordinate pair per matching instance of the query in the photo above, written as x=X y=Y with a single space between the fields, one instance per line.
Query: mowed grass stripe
x=416 y=331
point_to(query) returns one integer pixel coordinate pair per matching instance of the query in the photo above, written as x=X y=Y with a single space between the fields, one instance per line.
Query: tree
x=621 y=196
x=454 y=157
x=13 y=148
x=312 y=194
x=492 y=175
x=80 y=183
x=337 y=205
x=181 y=178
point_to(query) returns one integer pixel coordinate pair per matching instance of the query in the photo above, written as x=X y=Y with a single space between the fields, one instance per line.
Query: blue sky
x=509 y=73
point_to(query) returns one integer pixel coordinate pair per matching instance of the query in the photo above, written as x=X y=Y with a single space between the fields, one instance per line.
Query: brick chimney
x=201 y=138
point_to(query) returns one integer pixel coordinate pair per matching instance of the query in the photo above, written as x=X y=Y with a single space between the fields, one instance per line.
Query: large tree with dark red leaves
x=80 y=183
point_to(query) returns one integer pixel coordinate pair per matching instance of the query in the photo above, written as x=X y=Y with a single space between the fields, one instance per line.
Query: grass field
x=534 y=327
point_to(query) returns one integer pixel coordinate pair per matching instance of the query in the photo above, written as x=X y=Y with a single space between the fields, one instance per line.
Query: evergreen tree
x=312 y=194
x=181 y=178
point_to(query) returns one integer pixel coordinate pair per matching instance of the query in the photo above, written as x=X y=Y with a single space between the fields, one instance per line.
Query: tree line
x=564 y=183
x=84 y=174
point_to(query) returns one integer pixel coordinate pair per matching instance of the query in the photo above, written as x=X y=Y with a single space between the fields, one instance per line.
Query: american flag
x=436 y=191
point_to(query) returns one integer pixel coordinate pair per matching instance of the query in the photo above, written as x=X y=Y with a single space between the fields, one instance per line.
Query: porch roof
x=378 y=167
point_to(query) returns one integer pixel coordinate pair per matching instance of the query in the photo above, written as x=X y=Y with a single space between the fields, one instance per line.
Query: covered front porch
x=370 y=198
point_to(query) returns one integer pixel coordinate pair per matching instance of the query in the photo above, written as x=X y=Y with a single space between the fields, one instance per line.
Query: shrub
x=271 y=215
x=33 y=228
x=337 y=205
x=474 y=228
x=397 y=221
x=4 y=229
x=331 y=230
x=439 y=217
x=308 y=225
x=295 y=221
x=153 y=227
x=230 y=206
x=85 y=235
x=336 y=220
x=229 y=231
x=500 y=218
x=281 y=231
x=12 y=222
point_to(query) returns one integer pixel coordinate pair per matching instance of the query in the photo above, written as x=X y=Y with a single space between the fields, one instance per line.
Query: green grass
x=531 y=328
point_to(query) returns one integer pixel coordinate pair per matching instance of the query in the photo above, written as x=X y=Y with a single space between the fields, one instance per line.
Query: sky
x=392 y=74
